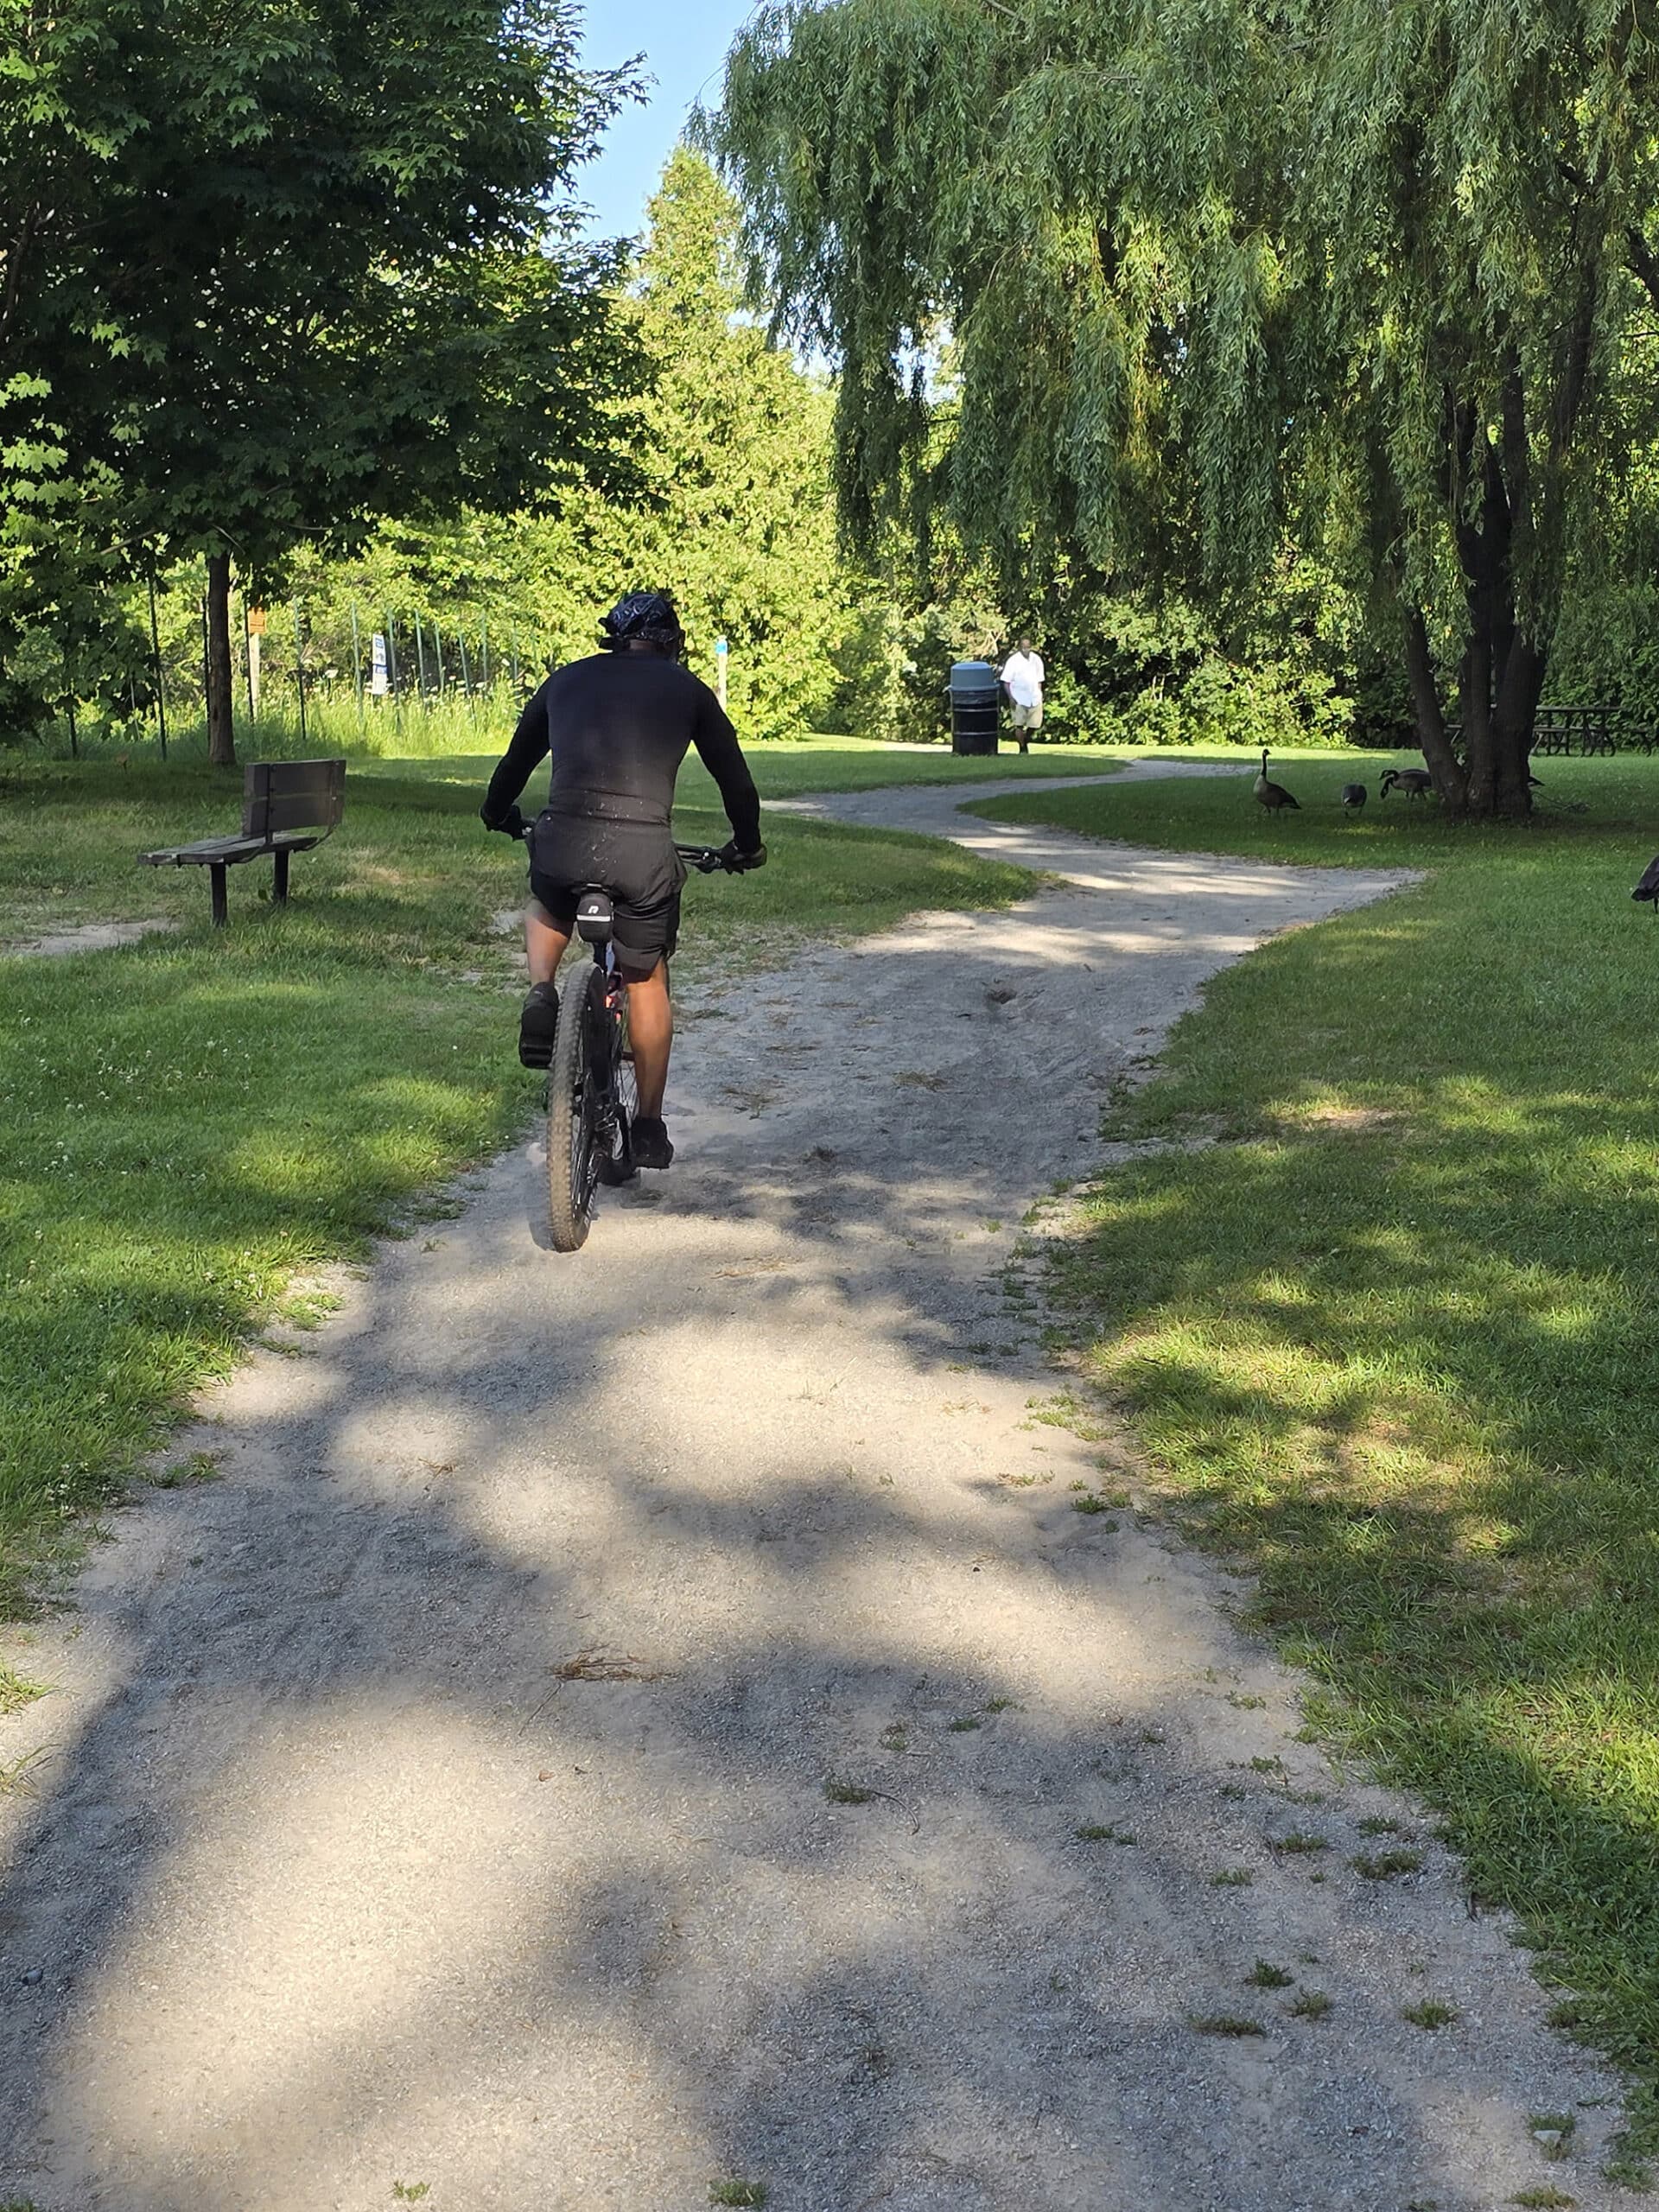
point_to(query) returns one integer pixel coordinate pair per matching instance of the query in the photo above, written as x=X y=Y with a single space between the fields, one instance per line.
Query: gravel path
x=631 y=1723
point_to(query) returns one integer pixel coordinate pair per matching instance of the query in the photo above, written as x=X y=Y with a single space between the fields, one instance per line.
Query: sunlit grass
x=1390 y=1340
x=194 y=1123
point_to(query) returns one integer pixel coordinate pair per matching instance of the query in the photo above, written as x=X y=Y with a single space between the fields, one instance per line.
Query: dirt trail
x=656 y=1719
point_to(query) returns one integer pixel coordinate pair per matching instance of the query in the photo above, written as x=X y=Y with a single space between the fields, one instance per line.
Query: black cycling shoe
x=537 y=1026
x=651 y=1146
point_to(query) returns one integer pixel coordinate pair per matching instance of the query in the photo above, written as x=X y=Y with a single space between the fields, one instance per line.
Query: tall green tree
x=298 y=265
x=730 y=507
x=1200 y=263
x=737 y=517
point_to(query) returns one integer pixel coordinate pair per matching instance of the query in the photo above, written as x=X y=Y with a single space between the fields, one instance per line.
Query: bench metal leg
x=279 y=879
x=221 y=908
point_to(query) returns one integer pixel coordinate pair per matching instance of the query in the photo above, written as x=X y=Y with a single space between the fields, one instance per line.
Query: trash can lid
x=972 y=676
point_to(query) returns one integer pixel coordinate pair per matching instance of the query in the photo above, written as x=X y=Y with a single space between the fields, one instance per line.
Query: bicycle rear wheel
x=576 y=1105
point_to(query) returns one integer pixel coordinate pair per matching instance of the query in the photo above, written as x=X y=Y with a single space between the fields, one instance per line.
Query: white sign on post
x=378 y=685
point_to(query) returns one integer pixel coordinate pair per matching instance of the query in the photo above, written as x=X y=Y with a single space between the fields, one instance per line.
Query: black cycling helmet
x=647 y=616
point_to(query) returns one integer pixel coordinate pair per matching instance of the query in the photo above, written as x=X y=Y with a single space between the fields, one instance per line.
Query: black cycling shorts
x=634 y=861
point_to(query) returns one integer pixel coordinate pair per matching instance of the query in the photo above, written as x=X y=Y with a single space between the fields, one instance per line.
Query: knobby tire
x=572 y=1160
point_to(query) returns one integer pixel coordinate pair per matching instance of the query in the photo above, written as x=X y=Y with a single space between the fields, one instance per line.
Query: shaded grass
x=195 y=1123
x=1390 y=1340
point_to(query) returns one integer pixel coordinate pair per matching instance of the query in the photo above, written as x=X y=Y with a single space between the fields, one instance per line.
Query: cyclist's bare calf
x=651 y=1028
x=543 y=945
x=651 y=1013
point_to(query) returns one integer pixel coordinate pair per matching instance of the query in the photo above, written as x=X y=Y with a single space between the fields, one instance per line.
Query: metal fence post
x=299 y=668
x=357 y=666
x=155 y=650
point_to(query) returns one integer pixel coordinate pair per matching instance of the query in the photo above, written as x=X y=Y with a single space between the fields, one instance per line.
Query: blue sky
x=685 y=42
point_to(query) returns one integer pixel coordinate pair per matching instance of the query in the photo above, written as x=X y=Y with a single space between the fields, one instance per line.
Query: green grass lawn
x=1391 y=1339
x=194 y=1123
x=825 y=764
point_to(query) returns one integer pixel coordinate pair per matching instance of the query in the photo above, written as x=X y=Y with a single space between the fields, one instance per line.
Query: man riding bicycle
x=618 y=726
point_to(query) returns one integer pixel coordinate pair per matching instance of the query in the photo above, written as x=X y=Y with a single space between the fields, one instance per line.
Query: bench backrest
x=292 y=795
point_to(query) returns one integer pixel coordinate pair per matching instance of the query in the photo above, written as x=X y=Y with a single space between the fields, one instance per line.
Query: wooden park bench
x=287 y=806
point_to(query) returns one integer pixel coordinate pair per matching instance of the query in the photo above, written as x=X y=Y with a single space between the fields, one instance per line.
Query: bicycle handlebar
x=708 y=860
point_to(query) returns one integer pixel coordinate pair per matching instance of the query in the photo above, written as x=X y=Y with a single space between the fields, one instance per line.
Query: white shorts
x=1027 y=717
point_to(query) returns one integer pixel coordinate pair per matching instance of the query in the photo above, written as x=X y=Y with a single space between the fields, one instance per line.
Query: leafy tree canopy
x=1206 y=266
x=265 y=276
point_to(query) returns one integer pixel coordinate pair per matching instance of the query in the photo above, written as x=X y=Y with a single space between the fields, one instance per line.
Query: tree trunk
x=1515 y=715
x=1443 y=762
x=1501 y=672
x=221 y=725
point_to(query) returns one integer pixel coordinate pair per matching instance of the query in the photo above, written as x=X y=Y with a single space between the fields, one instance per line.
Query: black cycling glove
x=511 y=824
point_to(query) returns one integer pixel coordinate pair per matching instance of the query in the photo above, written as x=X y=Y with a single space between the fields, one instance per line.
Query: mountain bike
x=592 y=1097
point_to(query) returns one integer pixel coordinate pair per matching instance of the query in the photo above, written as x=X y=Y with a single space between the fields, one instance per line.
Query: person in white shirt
x=1022 y=679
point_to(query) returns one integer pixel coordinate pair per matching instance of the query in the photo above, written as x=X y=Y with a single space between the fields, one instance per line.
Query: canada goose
x=1415 y=782
x=1647 y=888
x=1353 y=794
x=1270 y=795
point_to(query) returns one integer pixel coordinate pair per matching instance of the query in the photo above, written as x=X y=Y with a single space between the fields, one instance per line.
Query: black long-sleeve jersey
x=618 y=726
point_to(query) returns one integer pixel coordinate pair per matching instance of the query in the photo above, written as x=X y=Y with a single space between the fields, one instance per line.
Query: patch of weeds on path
x=1546 y=2198
x=411 y=2192
x=1066 y=1409
x=1430 y=2014
x=737 y=2192
x=15 y=1694
x=846 y=1792
x=1232 y=1877
x=1300 y=1842
x=1387 y=1866
x=895 y=1737
x=1553 y=2132
x=966 y=1721
x=1309 y=2005
x=1090 y=1501
x=178 y=1474
x=14 y=1778
x=1102 y=1832
x=1265 y=1975
x=1224 y=2023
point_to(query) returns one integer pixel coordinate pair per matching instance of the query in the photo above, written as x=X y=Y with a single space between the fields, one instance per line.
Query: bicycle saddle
x=595 y=918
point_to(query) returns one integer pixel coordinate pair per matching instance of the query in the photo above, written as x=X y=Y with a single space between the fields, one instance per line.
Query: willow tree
x=1195 y=259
